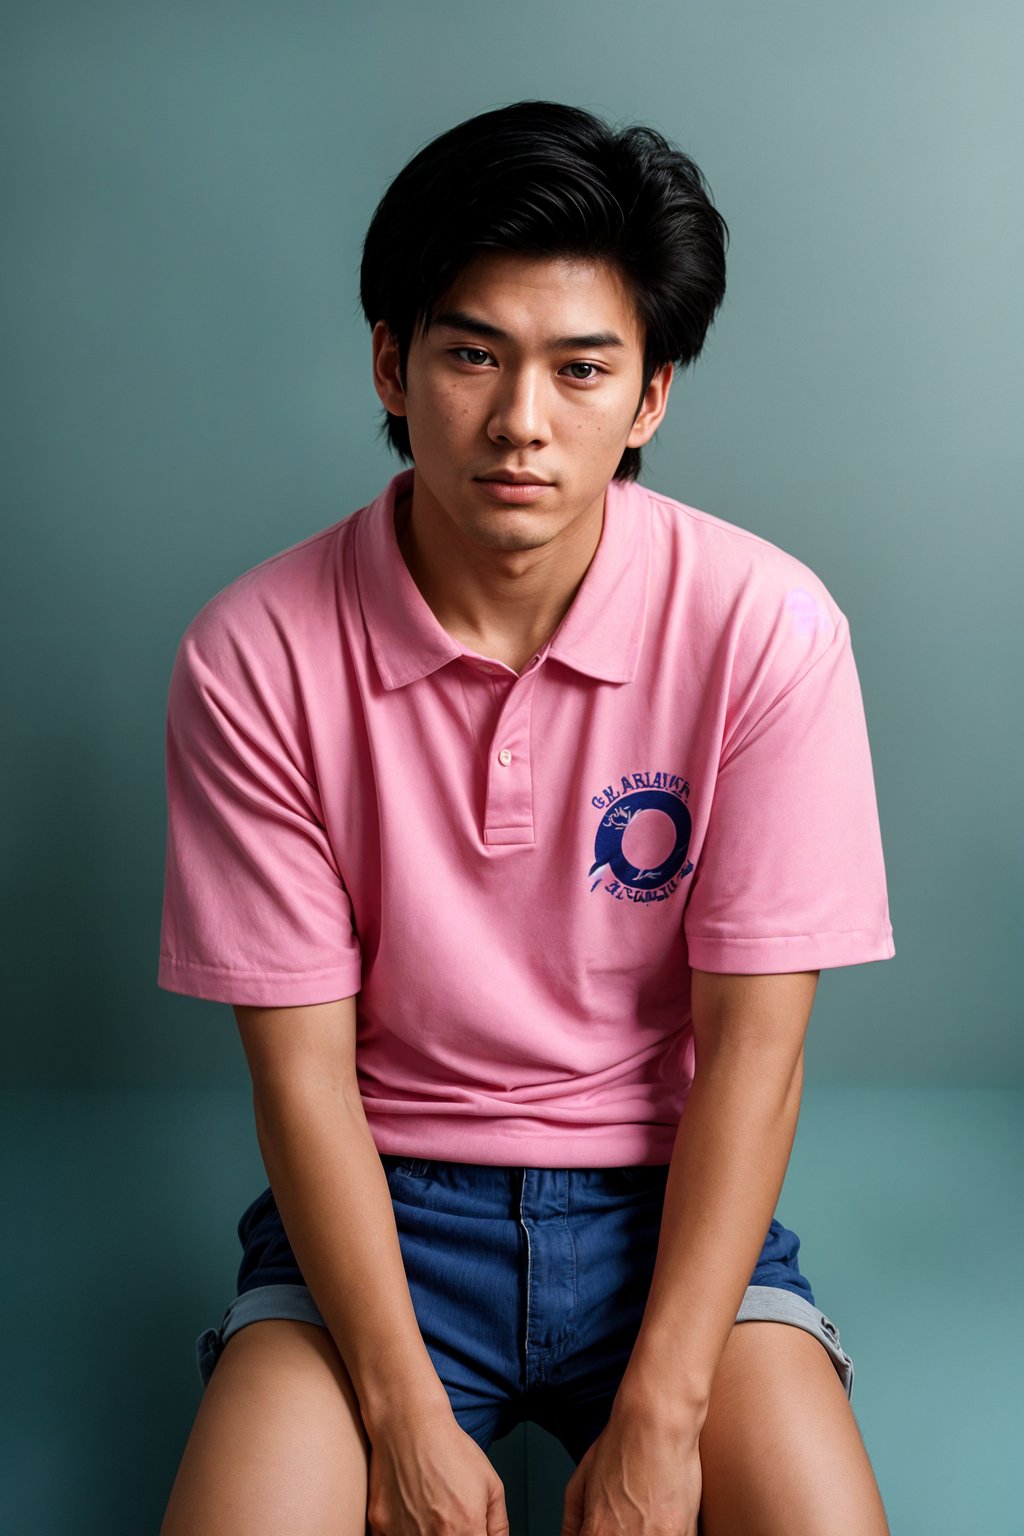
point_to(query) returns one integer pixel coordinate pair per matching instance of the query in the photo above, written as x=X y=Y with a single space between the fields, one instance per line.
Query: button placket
x=508 y=816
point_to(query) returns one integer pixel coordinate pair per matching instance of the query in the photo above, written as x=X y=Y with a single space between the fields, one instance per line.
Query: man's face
x=521 y=398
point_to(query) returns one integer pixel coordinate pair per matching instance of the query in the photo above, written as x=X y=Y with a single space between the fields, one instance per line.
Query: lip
x=515 y=477
x=514 y=489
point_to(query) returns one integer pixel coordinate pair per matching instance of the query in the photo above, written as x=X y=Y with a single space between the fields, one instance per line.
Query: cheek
x=453 y=407
x=605 y=430
x=439 y=413
x=610 y=418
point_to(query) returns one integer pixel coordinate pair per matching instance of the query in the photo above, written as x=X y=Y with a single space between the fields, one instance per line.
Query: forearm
x=333 y=1196
x=727 y=1169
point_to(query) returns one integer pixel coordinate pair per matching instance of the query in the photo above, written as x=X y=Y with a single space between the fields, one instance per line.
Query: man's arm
x=333 y=1196
x=727 y=1168
x=425 y=1472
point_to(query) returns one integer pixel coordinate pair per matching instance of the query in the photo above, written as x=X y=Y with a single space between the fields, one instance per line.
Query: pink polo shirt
x=515 y=873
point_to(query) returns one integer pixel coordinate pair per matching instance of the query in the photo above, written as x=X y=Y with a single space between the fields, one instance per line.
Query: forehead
x=536 y=297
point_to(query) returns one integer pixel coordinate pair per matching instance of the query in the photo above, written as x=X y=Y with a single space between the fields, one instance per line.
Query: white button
x=504 y=757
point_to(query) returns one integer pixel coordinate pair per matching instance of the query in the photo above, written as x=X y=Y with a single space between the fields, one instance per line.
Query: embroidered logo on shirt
x=643 y=837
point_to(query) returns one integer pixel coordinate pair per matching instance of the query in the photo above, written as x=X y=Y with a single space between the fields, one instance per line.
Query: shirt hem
x=792 y=952
x=251 y=990
x=503 y=1147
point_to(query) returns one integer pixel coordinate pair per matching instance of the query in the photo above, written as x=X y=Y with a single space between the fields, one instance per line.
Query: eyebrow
x=462 y=320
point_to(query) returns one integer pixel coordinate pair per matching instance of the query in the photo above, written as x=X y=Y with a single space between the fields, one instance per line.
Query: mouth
x=515 y=477
x=512 y=488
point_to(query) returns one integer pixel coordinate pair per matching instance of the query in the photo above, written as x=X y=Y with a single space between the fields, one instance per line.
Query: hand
x=637 y=1478
x=428 y=1476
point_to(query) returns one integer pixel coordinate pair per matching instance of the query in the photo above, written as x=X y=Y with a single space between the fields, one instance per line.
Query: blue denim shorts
x=528 y=1284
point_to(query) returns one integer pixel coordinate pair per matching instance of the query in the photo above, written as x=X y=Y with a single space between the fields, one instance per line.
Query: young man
x=512 y=814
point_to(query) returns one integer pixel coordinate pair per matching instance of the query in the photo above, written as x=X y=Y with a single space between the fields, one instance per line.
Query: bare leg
x=278 y=1443
x=781 y=1454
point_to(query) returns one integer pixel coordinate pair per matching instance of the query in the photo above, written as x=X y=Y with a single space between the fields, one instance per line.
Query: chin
x=511 y=540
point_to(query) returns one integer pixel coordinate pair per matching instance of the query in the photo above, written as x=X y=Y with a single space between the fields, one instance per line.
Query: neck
x=504 y=604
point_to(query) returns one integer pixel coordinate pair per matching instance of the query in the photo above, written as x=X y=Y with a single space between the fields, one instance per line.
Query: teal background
x=186 y=391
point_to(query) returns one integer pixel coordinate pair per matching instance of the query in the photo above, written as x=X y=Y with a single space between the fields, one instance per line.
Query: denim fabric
x=529 y=1285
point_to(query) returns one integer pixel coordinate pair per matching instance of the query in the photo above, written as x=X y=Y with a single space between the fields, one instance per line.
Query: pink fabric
x=689 y=784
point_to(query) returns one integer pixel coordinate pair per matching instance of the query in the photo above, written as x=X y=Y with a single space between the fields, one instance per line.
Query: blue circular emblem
x=608 y=843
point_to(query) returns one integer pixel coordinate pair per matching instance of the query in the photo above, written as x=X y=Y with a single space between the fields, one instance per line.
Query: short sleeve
x=254 y=908
x=791 y=873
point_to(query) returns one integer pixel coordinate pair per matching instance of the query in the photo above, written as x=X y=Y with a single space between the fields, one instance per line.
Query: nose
x=518 y=414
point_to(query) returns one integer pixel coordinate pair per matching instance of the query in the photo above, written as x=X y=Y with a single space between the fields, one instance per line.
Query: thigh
x=278 y=1442
x=781 y=1453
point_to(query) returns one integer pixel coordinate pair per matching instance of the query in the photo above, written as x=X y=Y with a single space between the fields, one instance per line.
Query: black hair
x=545 y=179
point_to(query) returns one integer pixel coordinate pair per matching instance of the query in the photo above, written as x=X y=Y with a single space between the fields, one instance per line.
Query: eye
x=476 y=356
x=593 y=372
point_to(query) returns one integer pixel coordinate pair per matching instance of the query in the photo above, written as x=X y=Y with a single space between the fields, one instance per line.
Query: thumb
x=573 y=1503
x=497 y=1514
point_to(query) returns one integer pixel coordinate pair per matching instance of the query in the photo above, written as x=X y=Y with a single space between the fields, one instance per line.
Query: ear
x=652 y=408
x=387 y=375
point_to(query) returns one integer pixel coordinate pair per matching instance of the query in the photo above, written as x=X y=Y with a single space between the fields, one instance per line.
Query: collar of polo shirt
x=600 y=636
